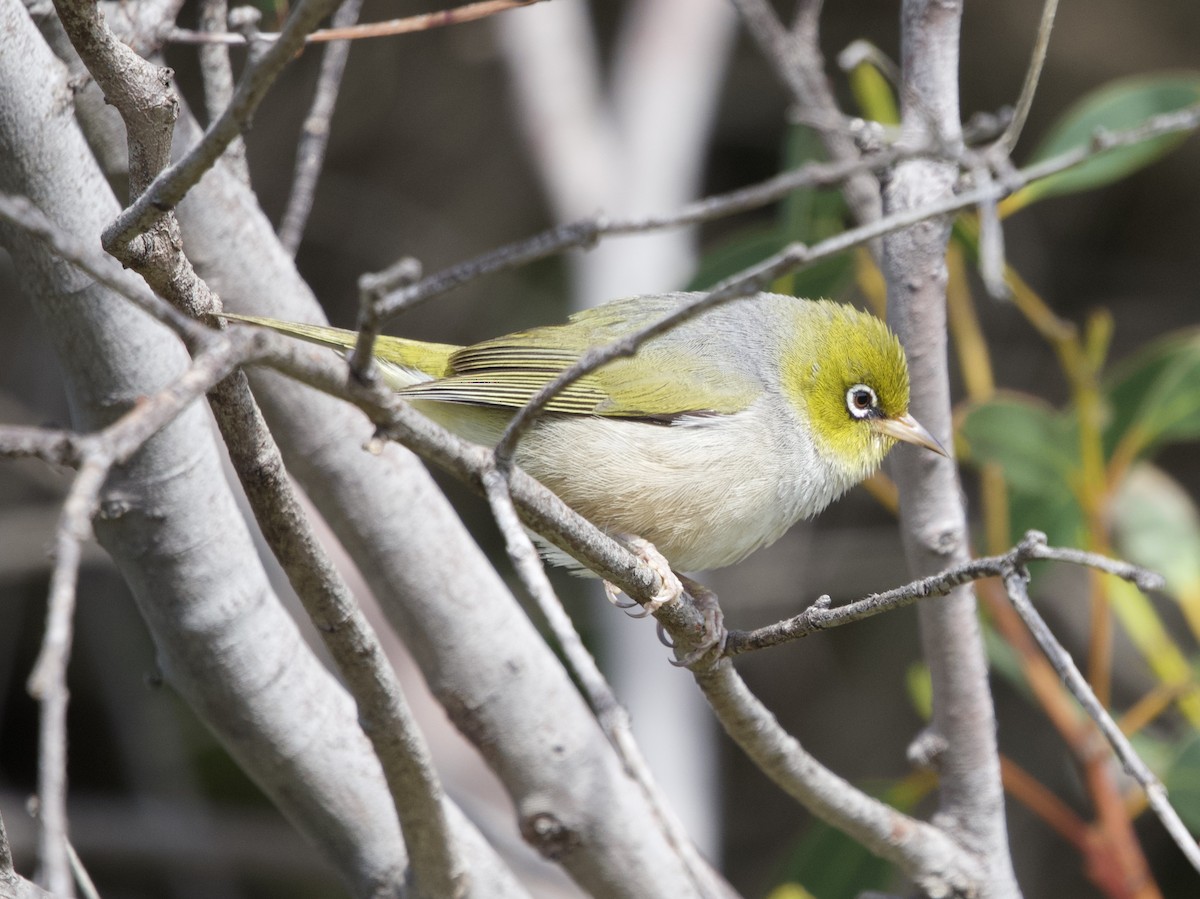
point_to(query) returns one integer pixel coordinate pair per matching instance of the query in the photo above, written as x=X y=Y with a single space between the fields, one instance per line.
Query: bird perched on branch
x=709 y=442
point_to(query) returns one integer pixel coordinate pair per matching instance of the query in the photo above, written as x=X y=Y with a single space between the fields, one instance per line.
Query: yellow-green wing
x=664 y=380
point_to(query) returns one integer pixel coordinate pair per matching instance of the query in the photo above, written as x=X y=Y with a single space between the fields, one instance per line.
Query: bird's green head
x=848 y=372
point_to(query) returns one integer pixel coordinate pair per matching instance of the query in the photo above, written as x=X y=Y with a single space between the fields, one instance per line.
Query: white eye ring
x=862 y=402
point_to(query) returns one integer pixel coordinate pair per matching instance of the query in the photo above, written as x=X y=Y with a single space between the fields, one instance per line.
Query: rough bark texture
x=971 y=802
x=169 y=519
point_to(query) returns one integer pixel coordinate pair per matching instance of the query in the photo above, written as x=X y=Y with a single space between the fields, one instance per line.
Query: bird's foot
x=670 y=590
x=711 y=645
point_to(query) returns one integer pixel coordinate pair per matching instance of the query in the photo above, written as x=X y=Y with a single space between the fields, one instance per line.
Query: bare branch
x=797 y=61
x=821 y=616
x=314 y=134
x=932 y=517
x=1016 y=581
x=991 y=242
x=408 y=25
x=613 y=718
x=82 y=879
x=215 y=67
x=584 y=233
x=174 y=527
x=217 y=73
x=173 y=183
x=22 y=213
x=924 y=852
x=53 y=446
x=386 y=719
x=383 y=711
x=372 y=288
x=427 y=573
x=48 y=682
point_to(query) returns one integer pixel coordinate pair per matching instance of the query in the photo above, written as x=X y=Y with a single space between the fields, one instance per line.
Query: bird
x=708 y=443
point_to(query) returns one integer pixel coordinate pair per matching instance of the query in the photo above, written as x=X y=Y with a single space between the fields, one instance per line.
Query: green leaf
x=1004 y=660
x=920 y=689
x=1036 y=447
x=833 y=866
x=873 y=93
x=1121 y=104
x=804 y=215
x=790 y=891
x=746 y=248
x=827 y=278
x=1156 y=525
x=1154 y=396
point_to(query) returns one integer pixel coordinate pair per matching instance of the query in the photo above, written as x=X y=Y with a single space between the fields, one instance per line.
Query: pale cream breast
x=706 y=491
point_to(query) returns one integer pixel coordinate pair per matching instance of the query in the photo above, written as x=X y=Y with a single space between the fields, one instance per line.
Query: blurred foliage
x=806 y=216
x=1125 y=103
x=825 y=863
x=1082 y=473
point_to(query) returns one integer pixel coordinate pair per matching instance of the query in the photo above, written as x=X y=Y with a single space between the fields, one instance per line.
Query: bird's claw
x=613 y=593
x=670 y=590
x=714 y=637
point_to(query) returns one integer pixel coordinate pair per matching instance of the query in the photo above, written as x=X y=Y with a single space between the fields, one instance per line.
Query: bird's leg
x=712 y=641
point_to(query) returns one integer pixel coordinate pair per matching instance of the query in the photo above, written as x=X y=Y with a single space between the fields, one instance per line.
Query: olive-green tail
x=416 y=359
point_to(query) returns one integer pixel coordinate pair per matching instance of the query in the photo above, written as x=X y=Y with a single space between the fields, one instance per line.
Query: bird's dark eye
x=861 y=401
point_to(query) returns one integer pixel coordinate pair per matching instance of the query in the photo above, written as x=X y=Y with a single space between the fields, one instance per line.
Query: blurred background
x=430 y=157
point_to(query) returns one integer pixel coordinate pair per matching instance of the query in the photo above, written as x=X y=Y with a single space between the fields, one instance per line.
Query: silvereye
x=709 y=443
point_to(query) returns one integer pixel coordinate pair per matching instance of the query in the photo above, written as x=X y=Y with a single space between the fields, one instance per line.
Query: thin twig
x=792 y=60
x=22 y=213
x=217 y=74
x=798 y=255
x=171 y=185
x=821 y=616
x=1011 y=568
x=48 y=681
x=372 y=288
x=612 y=716
x=583 y=234
x=82 y=879
x=1016 y=581
x=314 y=134
x=383 y=711
x=215 y=67
x=991 y=243
x=806 y=20
x=408 y=25
x=1021 y=112
x=796 y=60
x=53 y=446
